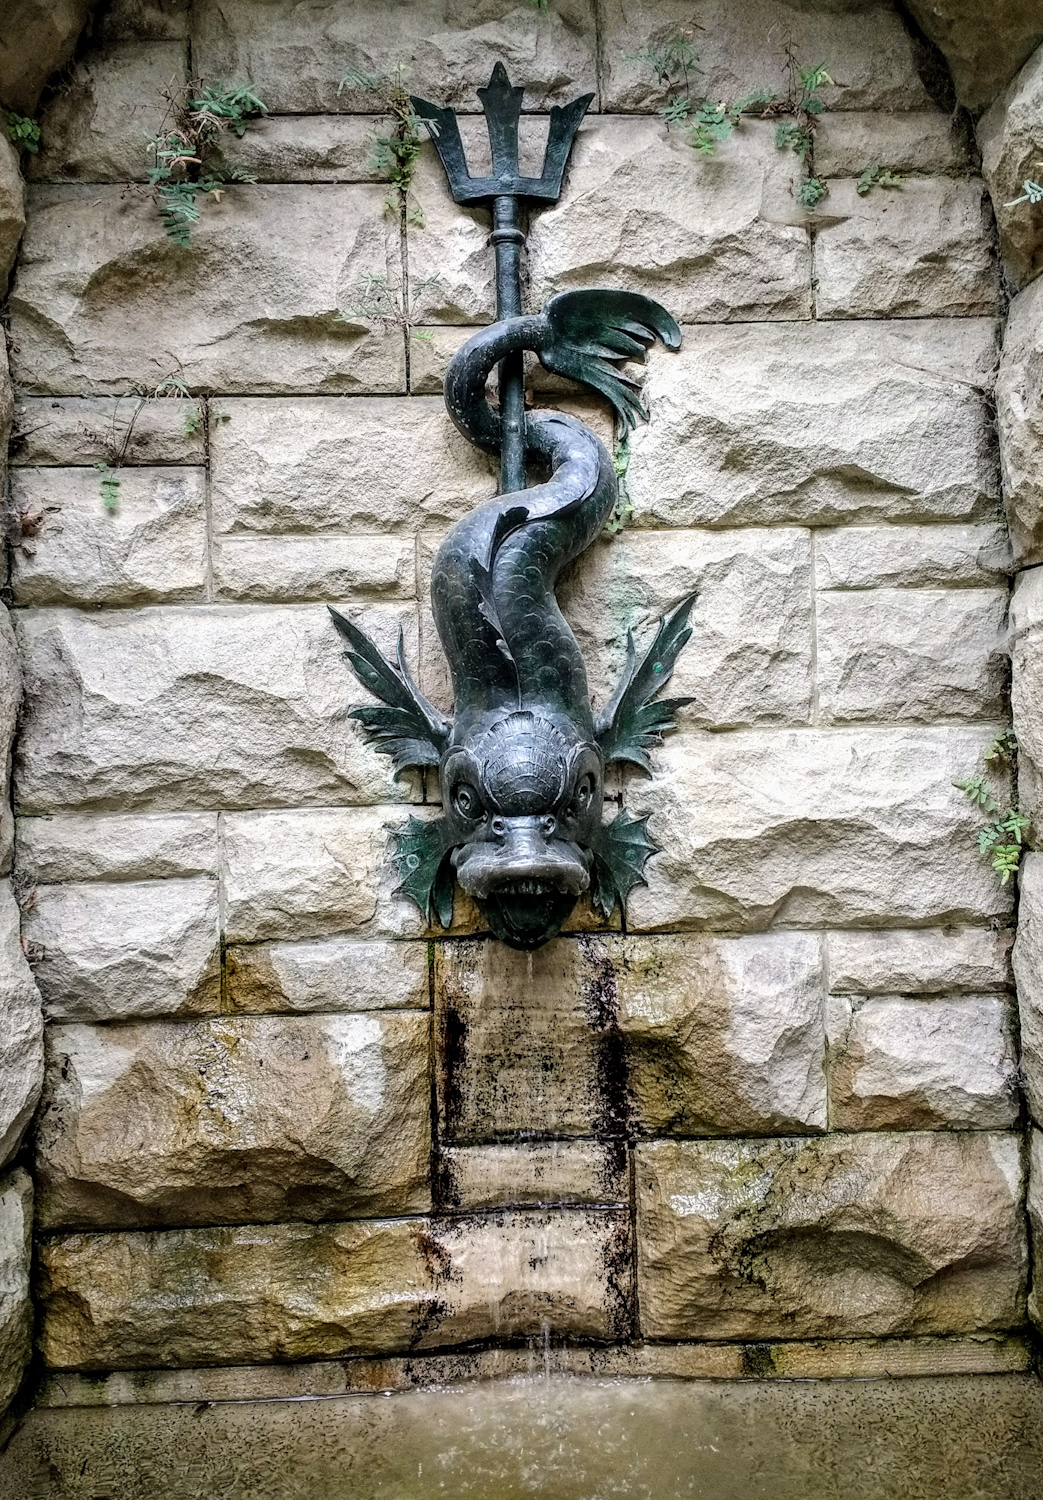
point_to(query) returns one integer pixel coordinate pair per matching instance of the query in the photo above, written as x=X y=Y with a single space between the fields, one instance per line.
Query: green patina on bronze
x=521 y=764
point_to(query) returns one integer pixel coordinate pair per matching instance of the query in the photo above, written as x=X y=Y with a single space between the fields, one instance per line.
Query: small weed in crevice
x=110 y=487
x=183 y=155
x=877 y=176
x=377 y=302
x=673 y=61
x=23 y=132
x=1007 y=835
x=115 y=441
x=707 y=122
x=394 y=155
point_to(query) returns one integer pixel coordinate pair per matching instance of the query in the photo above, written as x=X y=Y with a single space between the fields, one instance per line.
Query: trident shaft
x=505 y=189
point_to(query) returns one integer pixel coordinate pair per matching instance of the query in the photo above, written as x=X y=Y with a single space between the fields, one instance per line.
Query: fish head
x=524 y=803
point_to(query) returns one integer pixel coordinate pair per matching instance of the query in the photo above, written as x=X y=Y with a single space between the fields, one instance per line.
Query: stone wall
x=283 y=1121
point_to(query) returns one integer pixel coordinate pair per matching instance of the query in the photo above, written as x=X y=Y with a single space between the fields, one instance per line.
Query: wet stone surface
x=962 y=1438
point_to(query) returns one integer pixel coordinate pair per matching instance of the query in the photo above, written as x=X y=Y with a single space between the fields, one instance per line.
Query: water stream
x=557 y=1438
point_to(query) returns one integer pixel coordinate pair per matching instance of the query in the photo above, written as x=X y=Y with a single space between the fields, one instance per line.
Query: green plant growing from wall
x=673 y=61
x=707 y=122
x=394 y=155
x=185 y=166
x=1004 y=839
x=376 y=302
x=23 y=132
x=115 y=442
x=877 y=176
x=110 y=488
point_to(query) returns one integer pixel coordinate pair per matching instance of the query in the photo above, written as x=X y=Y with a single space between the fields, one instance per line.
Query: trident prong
x=504 y=188
x=501 y=105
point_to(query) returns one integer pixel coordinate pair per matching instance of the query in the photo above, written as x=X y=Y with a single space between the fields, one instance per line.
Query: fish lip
x=523 y=864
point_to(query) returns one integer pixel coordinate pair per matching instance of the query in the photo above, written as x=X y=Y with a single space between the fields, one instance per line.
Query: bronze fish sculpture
x=521 y=763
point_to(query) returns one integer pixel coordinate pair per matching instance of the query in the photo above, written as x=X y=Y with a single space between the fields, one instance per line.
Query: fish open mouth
x=526 y=919
x=528 y=888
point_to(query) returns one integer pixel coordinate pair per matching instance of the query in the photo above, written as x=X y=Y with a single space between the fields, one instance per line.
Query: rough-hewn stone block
x=6 y=394
x=196 y=707
x=95 y=127
x=912 y=655
x=922 y=1064
x=722 y=1035
x=682 y=1035
x=984 y=47
x=860 y=557
x=308 y=148
x=713 y=239
x=1028 y=971
x=327 y=465
x=1011 y=138
x=838 y=1237
x=922 y=140
x=922 y=250
x=21 y=1032
x=314 y=1291
x=807 y=827
x=233 y=1119
x=280 y=569
x=103 y=299
x=306 y=874
x=67 y=430
x=297 y=58
x=163 y=847
x=150 y=548
x=331 y=974
x=119 y=952
x=11 y=704
x=16 y=1308
x=1019 y=413
x=952 y=960
x=822 y=423
x=742 y=48
x=1035 y=1214
x=38 y=37
x=749 y=659
x=533 y=1173
x=520 y=1044
x=1026 y=624
x=12 y=208
x=142 y=21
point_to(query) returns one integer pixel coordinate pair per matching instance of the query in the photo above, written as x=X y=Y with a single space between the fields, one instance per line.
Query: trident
x=504 y=188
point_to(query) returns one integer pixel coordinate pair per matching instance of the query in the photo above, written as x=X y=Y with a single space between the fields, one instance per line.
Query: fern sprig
x=183 y=168
x=1006 y=836
x=708 y=122
x=877 y=176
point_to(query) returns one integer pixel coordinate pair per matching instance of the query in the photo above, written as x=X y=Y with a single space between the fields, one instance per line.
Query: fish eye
x=466 y=800
x=582 y=796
